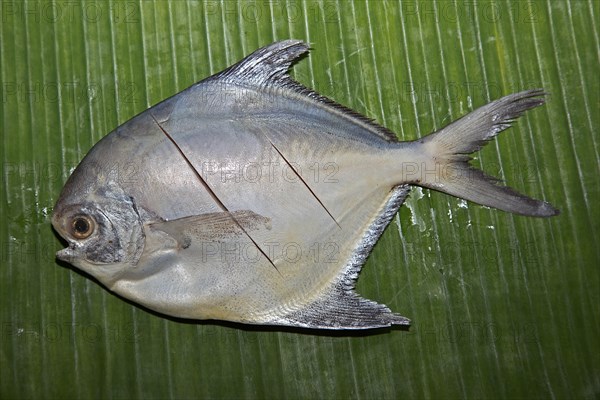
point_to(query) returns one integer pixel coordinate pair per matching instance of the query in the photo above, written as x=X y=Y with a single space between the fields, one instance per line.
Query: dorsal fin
x=268 y=66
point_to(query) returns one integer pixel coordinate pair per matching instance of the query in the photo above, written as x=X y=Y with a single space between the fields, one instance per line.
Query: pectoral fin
x=210 y=227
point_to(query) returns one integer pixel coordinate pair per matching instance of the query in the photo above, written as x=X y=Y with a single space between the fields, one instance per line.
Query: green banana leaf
x=502 y=306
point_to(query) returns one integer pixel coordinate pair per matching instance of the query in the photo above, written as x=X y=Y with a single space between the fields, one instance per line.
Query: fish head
x=100 y=223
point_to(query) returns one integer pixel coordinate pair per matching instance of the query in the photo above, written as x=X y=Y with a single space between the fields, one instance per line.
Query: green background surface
x=502 y=306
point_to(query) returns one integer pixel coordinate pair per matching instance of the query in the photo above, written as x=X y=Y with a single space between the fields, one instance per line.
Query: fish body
x=250 y=198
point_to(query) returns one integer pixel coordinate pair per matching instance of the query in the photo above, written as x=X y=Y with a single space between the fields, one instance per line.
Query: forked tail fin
x=448 y=151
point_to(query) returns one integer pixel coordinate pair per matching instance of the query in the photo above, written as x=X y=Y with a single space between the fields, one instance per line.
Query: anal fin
x=342 y=308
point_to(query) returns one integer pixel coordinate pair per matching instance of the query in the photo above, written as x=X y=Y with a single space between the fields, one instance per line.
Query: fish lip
x=67 y=254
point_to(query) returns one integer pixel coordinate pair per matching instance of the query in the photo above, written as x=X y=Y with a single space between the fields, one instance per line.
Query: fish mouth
x=67 y=254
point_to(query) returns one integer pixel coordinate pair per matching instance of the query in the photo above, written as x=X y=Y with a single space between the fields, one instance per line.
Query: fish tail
x=447 y=157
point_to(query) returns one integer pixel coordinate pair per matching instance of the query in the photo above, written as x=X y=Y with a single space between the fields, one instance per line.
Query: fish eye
x=82 y=227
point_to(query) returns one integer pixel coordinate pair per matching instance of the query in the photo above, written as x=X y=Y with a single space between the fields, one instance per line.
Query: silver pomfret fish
x=248 y=197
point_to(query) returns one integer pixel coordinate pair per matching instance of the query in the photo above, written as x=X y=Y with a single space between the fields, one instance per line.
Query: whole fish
x=248 y=197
